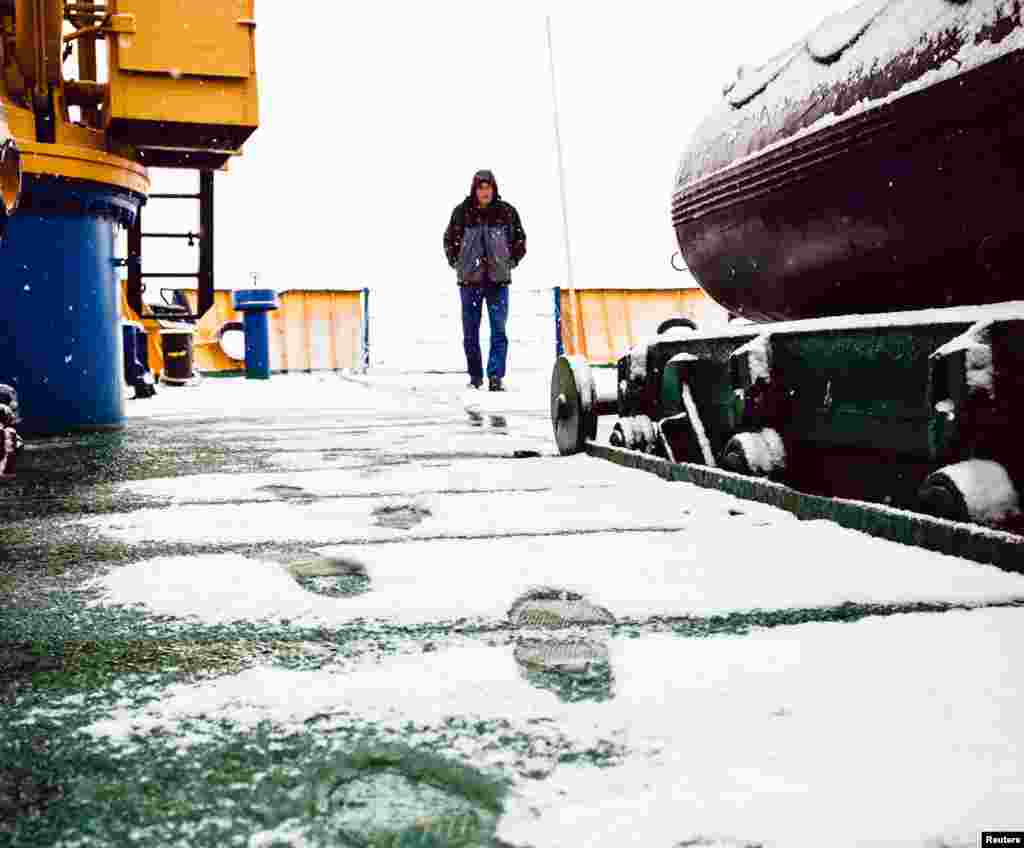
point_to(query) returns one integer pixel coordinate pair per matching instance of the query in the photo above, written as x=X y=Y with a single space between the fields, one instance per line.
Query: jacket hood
x=484 y=176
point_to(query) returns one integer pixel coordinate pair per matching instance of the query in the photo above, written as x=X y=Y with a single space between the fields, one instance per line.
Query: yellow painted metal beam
x=80 y=163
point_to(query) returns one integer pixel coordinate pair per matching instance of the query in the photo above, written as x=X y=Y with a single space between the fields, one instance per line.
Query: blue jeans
x=473 y=298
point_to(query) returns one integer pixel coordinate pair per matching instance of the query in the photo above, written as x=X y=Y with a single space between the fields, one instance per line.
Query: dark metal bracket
x=204 y=237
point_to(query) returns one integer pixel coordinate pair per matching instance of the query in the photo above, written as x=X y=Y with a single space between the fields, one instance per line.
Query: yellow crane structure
x=93 y=94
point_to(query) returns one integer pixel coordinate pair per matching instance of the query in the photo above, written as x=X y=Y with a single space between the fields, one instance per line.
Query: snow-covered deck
x=901 y=725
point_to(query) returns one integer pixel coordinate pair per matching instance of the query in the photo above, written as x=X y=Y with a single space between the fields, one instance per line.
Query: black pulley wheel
x=573 y=404
x=980 y=491
x=673 y=323
x=940 y=496
x=761 y=453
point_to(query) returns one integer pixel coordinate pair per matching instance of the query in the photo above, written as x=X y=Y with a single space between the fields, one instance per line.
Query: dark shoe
x=494 y=384
x=476 y=384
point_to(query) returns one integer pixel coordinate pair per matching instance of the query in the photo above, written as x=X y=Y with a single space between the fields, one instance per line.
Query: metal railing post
x=365 y=352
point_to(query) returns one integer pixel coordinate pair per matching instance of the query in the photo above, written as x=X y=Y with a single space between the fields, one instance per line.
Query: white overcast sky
x=374 y=117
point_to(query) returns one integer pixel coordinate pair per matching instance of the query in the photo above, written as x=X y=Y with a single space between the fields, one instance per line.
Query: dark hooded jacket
x=484 y=244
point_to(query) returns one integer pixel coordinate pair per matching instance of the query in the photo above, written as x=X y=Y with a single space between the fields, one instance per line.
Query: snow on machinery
x=857 y=199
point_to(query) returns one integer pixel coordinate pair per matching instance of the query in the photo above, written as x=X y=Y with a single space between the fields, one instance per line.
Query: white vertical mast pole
x=561 y=182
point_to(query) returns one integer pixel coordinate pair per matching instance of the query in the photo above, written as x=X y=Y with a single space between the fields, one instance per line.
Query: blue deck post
x=254 y=304
x=364 y=359
x=60 y=305
x=559 y=346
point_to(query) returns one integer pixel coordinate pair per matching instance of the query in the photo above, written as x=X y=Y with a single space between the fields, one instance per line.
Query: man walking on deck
x=484 y=241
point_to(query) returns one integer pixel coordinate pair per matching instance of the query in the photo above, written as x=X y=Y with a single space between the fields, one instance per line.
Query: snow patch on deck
x=735 y=559
x=762 y=739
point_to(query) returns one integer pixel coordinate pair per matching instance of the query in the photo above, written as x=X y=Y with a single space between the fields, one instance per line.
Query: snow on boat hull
x=888 y=178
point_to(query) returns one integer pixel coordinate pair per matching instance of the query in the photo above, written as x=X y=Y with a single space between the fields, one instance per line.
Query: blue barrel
x=254 y=304
x=60 y=337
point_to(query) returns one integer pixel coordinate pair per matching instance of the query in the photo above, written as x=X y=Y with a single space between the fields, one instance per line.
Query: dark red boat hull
x=916 y=203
